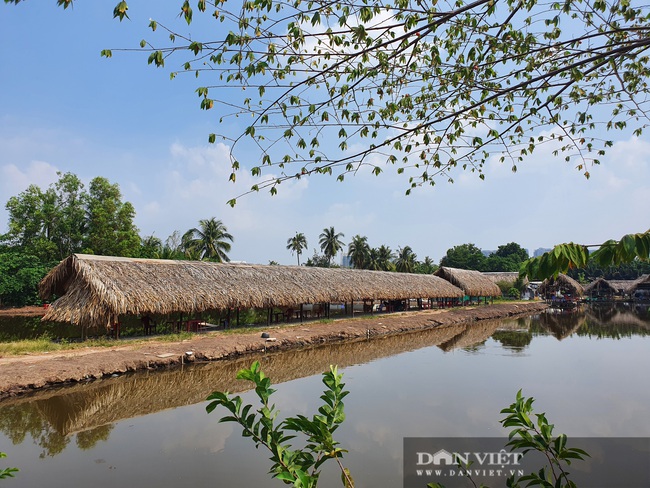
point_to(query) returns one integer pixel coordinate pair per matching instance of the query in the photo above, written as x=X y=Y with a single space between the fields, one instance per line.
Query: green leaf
x=120 y=11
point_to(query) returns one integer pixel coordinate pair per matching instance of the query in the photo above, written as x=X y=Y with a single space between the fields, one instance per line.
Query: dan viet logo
x=441 y=457
x=500 y=463
x=462 y=462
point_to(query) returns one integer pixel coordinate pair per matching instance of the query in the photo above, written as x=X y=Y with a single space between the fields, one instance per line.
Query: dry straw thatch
x=509 y=277
x=96 y=290
x=600 y=287
x=623 y=287
x=473 y=283
x=562 y=284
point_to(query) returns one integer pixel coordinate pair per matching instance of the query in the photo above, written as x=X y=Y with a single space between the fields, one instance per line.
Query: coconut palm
x=296 y=244
x=208 y=242
x=359 y=251
x=427 y=266
x=406 y=260
x=330 y=243
x=385 y=258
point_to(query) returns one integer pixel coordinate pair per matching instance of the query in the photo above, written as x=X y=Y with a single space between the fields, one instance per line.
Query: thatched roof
x=94 y=290
x=473 y=283
x=642 y=281
x=504 y=276
x=624 y=287
x=562 y=284
x=600 y=286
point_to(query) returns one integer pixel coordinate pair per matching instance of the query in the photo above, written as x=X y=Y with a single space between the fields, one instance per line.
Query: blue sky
x=64 y=108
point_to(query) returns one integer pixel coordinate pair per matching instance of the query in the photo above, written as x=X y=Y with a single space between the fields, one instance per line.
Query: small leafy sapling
x=300 y=467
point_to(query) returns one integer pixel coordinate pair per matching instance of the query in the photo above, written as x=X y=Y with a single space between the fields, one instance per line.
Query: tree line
x=46 y=226
x=360 y=255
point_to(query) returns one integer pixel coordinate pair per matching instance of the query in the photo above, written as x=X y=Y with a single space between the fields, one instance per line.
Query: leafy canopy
x=565 y=257
x=426 y=86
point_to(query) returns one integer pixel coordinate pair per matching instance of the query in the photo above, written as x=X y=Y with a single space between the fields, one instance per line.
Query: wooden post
x=301 y=312
x=268 y=317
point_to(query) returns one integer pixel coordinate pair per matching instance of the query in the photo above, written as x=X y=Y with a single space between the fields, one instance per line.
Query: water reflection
x=454 y=380
x=50 y=416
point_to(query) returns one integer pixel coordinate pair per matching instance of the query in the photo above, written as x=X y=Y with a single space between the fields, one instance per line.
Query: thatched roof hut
x=622 y=287
x=642 y=283
x=562 y=285
x=95 y=290
x=509 y=277
x=600 y=288
x=473 y=283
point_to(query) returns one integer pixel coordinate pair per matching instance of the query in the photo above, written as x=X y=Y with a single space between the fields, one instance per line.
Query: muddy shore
x=22 y=374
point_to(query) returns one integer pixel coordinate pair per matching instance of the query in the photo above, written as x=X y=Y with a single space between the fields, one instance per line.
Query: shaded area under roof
x=95 y=290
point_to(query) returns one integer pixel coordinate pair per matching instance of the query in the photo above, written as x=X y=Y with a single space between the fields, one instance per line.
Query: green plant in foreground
x=300 y=467
x=528 y=435
x=7 y=472
x=297 y=467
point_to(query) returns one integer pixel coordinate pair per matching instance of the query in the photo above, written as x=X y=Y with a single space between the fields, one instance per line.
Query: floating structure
x=602 y=289
x=95 y=291
x=562 y=286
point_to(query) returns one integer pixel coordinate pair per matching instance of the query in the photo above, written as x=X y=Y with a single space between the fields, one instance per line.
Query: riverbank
x=21 y=374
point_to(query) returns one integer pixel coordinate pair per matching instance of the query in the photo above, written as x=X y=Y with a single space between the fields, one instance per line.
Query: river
x=586 y=370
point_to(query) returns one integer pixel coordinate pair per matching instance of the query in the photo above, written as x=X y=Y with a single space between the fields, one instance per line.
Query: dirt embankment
x=20 y=374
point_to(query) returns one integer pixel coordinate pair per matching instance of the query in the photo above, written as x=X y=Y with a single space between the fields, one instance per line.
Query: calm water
x=588 y=372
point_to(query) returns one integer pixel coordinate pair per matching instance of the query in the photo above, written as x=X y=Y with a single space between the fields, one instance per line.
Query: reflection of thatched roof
x=87 y=405
x=96 y=289
x=562 y=325
x=473 y=334
x=562 y=284
x=473 y=283
x=615 y=317
x=504 y=276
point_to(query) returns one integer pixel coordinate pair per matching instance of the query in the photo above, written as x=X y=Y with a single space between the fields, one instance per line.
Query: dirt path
x=20 y=374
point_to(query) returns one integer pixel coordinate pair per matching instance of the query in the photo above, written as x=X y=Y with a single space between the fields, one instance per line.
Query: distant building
x=487 y=253
x=346 y=262
x=540 y=251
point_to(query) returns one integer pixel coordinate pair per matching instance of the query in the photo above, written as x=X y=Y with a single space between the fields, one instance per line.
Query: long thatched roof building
x=96 y=290
x=473 y=283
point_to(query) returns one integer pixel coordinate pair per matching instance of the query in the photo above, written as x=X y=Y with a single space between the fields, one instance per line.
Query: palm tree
x=151 y=247
x=330 y=243
x=359 y=252
x=296 y=244
x=385 y=258
x=405 y=262
x=373 y=259
x=208 y=242
x=427 y=266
